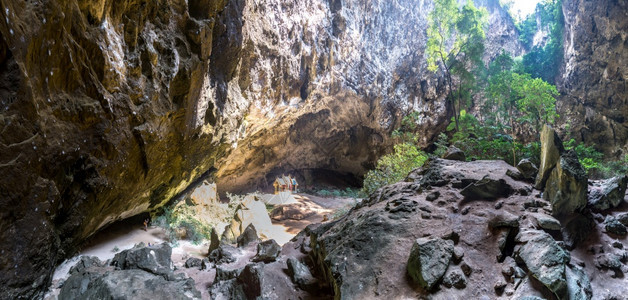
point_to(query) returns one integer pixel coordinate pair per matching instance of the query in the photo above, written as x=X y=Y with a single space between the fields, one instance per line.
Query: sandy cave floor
x=124 y=236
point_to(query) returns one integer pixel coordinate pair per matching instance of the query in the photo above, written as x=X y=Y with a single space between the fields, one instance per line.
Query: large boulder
x=578 y=284
x=127 y=284
x=453 y=153
x=551 y=149
x=546 y=222
x=545 y=259
x=429 y=260
x=138 y=273
x=224 y=254
x=487 y=189
x=608 y=194
x=528 y=169
x=247 y=283
x=300 y=274
x=247 y=237
x=613 y=226
x=214 y=241
x=566 y=186
x=267 y=251
x=154 y=259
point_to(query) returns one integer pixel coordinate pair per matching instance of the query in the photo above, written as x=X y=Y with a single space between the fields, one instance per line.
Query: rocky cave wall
x=593 y=78
x=110 y=108
x=100 y=119
x=330 y=80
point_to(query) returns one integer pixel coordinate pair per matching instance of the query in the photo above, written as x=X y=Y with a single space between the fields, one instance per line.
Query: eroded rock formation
x=594 y=73
x=110 y=108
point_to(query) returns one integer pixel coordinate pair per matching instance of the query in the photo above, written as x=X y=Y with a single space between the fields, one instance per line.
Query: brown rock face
x=594 y=73
x=100 y=119
x=109 y=108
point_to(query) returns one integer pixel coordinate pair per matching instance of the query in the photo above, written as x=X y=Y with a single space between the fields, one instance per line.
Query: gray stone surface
x=566 y=186
x=608 y=194
x=429 y=260
x=551 y=150
x=247 y=237
x=453 y=153
x=545 y=259
x=155 y=259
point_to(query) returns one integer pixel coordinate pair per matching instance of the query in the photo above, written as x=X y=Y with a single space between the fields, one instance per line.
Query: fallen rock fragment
x=545 y=259
x=267 y=251
x=247 y=237
x=455 y=278
x=224 y=254
x=428 y=261
x=454 y=153
x=608 y=193
x=487 y=189
x=551 y=149
x=527 y=168
x=613 y=226
x=193 y=262
x=566 y=187
x=300 y=274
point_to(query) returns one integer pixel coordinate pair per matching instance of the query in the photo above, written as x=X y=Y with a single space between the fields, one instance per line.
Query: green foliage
x=394 y=167
x=456 y=44
x=406 y=133
x=115 y=249
x=594 y=163
x=612 y=168
x=543 y=61
x=182 y=217
x=527 y=29
x=589 y=158
x=481 y=141
x=536 y=100
x=441 y=145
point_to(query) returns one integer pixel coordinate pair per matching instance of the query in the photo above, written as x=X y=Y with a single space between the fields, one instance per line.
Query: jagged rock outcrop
x=144 y=272
x=545 y=260
x=110 y=108
x=593 y=74
x=429 y=260
x=561 y=176
x=608 y=193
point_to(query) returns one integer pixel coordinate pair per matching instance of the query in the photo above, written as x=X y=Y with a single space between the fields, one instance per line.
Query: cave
x=433 y=149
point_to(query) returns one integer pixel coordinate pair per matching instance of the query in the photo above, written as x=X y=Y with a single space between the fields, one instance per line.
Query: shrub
x=394 y=167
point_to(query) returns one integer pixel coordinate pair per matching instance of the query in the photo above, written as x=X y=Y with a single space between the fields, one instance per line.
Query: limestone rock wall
x=330 y=80
x=100 y=119
x=594 y=74
x=109 y=108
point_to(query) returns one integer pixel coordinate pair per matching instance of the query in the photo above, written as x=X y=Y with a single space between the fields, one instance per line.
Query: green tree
x=543 y=61
x=456 y=44
x=394 y=167
x=536 y=100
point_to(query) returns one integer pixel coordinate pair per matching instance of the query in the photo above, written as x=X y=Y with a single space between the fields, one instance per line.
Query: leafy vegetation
x=516 y=96
x=594 y=163
x=543 y=61
x=461 y=56
x=395 y=166
x=174 y=220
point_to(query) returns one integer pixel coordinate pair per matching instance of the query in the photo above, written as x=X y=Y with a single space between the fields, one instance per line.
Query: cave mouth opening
x=312 y=179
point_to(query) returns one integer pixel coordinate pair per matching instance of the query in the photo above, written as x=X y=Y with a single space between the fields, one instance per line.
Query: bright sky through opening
x=522 y=8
